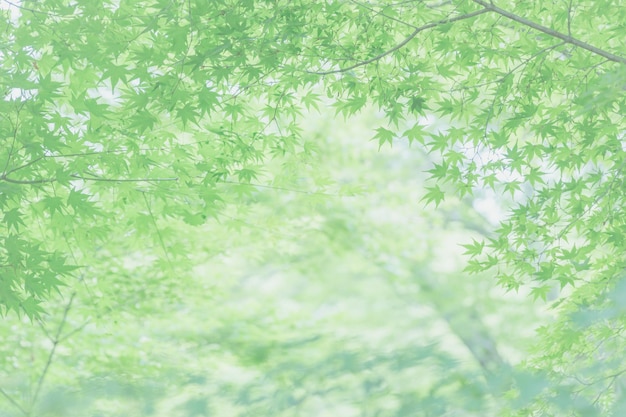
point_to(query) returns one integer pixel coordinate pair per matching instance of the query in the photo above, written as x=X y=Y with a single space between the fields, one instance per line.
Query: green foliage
x=128 y=126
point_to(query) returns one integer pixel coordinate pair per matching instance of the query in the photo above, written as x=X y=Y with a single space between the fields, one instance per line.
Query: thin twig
x=42 y=181
x=156 y=227
x=380 y=13
x=437 y=5
x=50 y=180
x=76 y=330
x=10 y=155
x=12 y=401
x=404 y=42
x=569 y=18
x=551 y=32
x=123 y=179
x=280 y=188
x=83 y=154
x=55 y=343
x=501 y=79
x=521 y=64
x=33 y=11
x=34 y=161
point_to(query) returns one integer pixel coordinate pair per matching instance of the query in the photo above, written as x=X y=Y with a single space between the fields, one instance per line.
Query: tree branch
x=566 y=38
x=49 y=180
x=380 y=13
x=12 y=401
x=55 y=343
x=404 y=42
x=11 y=180
x=569 y=18
x=33 y=11
x=10 y=155
x=34 y=161
x=271 y=187
x=123 y=179
x=510 y=72
x=82 y=154
x=156 y=227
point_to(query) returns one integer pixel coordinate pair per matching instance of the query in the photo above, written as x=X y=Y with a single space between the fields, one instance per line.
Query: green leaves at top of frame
x=106 y=104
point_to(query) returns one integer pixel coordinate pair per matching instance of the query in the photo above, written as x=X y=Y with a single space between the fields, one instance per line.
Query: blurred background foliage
x=349 y=301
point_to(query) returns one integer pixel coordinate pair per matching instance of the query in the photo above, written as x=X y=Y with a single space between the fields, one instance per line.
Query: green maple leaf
x=384 y=136
x=81 y=204
x=439 y=171
x=208 y=101
x=49 y=90
x=418 y=105
x=351 y=106
x=540 y=292
x=311 y=100
x=95 y=108
x=187 y=114
x=474 y=249
x=15 y=248
x=53 y=204
x=143 y=120
x=194 y=219
x=438 y=142
x=9 y=298
x=246 y=175
x=57 y=264
x=415 y=133
x=13 y=219
x=50 y=281
x=116 y=73
x=31 y=307
x=434 y=194
x=33 y=285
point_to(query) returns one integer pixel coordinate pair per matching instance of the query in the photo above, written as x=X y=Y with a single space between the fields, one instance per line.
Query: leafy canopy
x=117 y=115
